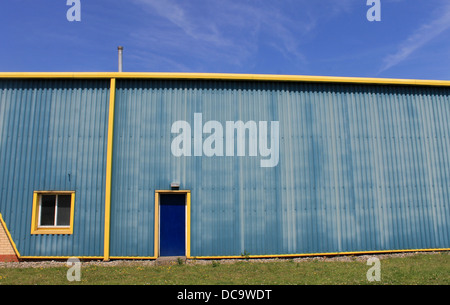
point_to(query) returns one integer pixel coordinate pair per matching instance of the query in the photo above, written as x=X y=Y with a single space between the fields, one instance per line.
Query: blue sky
x=298 y=37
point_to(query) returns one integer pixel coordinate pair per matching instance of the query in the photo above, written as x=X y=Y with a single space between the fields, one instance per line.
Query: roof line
x=225 y=76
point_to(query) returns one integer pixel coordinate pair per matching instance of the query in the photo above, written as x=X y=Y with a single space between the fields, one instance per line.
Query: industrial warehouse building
x=143 y=165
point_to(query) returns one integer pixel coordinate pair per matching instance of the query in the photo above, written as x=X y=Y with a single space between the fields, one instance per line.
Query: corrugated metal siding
x=53 y=137
x=362 y=167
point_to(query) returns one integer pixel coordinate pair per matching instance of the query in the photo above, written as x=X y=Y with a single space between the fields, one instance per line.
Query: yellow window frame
x=35 y=229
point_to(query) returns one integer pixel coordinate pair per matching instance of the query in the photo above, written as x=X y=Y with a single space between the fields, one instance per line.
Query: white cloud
x=419 y=38
x=232 y=31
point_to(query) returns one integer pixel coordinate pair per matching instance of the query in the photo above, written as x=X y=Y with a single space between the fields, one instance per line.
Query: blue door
x=172 y=224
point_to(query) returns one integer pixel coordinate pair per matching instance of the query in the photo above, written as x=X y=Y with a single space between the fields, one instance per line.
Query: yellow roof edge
x=227 y=76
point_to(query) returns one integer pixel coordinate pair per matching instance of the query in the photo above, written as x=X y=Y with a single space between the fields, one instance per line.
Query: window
x=53 y=212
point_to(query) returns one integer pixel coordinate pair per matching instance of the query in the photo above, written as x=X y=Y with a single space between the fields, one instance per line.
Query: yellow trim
x=171 y=192
x=320 y=254
x=35 y=213
x=134 y=257
x=188 y=225
x=8 y=234
x=188 y=220
x=35 y=229
x=226 y=76
x=156 y=236
x=109 y=155
x=60 y=257
x=241 y=257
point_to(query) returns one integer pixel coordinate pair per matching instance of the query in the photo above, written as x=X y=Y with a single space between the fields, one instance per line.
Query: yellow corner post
x=112 y=97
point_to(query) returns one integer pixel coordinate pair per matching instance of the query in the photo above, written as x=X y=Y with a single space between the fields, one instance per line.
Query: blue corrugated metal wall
x=53 y=137
x=362 y=167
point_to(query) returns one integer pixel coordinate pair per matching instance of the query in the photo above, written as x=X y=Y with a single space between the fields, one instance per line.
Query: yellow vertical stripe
x=112 y=97
x=188 y=225
x=34 y=219
x=156 y=239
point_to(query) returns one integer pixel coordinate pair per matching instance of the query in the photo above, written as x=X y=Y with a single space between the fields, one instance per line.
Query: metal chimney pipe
x=120 y=58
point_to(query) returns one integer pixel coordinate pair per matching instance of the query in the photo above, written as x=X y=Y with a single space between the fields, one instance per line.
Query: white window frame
x=55 y=225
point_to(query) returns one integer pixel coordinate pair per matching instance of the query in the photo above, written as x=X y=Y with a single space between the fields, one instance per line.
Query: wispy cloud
x=419 y=38
x=232 y=31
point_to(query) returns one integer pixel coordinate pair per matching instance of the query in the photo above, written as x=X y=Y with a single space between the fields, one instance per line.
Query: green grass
x=420 y=269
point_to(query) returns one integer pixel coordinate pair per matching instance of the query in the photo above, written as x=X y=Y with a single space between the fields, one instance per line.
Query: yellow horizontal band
x=61 y=257
x=226 y=76
x=173 y=191
x=55 y=192
x=133 y=257
x=249 y=256
x=320 y=254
